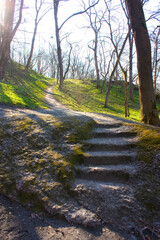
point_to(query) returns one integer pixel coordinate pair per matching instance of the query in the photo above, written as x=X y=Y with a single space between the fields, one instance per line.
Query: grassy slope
x=24 y=89
x=83 y=96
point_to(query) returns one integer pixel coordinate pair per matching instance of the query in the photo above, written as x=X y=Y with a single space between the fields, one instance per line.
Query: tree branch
x=19 y=20
x=78 y=13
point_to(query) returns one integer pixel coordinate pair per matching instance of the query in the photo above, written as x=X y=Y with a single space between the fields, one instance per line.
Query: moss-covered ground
x=24 y=89
x=37 y=155
x=148 y=174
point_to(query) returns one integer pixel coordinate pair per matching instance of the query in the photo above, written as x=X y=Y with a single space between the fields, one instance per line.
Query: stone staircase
x=104 y=181
x=110 y=154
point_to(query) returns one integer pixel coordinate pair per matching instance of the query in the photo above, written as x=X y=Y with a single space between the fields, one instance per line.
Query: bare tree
x=96 y=21
x=104 y=67
x=149 y=112
x=38 y=7
x=113 y=71
x=53 y=61
x=156 y=41
x=7 y=32
x=41 y=62
x=57 y=32
x=68 y=60
x=130 y=51
x=118 y=55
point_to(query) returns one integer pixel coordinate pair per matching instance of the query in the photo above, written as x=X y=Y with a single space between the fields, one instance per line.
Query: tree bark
x=59 y=51
x=7 y=33
x=130 y=64
x=126 y=94
x=32 y=47
x=149 y=112
x=156 y=59
x=96 y=59
x=126 y=106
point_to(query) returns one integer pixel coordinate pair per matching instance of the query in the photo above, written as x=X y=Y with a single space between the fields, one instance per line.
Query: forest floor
x=17 y=222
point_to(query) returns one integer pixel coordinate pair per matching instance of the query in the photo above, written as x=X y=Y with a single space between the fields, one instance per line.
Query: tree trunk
x=156 y=60
x=126 y=92
x=130 y=64
x=7 y=33
x=96 y=59
x=108 y=90
x=59 y=51
x=32 y=47
x=149 y=113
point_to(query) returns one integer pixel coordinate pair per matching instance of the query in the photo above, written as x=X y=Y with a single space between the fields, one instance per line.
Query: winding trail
x=103 y=185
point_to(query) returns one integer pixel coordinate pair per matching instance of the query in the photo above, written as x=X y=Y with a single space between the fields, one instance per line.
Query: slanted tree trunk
x=95 y=48
x=113 y=71
x=149 y=112
x=7 y=33
x=6 y=30
x=32 y=47
x=38 y=7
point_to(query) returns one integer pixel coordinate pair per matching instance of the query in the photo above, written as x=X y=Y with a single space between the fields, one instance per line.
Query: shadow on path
x=17 y=222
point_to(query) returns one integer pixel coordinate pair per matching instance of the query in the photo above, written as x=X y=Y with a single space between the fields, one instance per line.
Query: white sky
x=77 y=24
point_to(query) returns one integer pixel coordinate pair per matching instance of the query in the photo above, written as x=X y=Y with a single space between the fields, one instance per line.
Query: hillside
x=82 y=95
x=40 y=150
x=24 y=89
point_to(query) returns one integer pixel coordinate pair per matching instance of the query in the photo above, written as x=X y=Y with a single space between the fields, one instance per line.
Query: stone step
x=110 y=144
x=123 y=131
x=109 y=125
x=111 y=200
x=114 y=173
x=109 y=157
x=102 y=186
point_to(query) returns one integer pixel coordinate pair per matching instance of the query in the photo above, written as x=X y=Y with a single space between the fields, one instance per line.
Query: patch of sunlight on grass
x=9 y=93
x=24 y=89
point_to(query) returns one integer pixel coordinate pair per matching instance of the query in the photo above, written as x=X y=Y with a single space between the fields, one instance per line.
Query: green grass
x=24 y=89
x=82 y=95
x=148 y=142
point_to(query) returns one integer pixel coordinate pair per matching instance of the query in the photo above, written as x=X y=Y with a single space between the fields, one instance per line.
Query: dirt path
x=19 y=223
x=56 y=109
